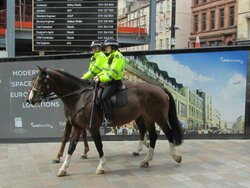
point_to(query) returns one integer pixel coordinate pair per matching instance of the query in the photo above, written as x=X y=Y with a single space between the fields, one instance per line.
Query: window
x=168 y=4
x=161 y=7
x=196 y=2
x=195 y=23
x=161 y=25
x=167 y=43
x=231 y=17
x=182 y=109
x=204 y=15
x=204 y=1
x=203 y=44
x=160 y=43
x=221 y=18
x=212 y=20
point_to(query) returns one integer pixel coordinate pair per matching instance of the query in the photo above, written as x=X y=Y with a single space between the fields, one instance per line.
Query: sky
x=222 y=75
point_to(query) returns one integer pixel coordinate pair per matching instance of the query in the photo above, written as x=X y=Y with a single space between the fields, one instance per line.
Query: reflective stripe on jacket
x=114 y=68
x=97 y=62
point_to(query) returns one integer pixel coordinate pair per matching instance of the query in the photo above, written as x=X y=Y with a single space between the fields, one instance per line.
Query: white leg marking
x=149 y=155
x=100 y=169
x=139 y=148
x=172 y=150
x=66 y=163
x=145 y=142
x=176 y=157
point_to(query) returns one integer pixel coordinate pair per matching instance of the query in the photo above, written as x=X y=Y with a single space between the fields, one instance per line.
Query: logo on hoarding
x=62 y=123
x=18 y=125
x=18 y=122
x=227 y=60
x=38 y=125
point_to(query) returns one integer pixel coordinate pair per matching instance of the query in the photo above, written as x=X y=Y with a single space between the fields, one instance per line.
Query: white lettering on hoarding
x=51 y=104
x=34 y=125
x=21 y=87
x=227 y=60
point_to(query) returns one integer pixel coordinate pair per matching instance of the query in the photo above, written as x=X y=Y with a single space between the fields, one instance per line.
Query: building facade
x=215 y=21
x=136 y=14
x=243 y=32
x=194 y=107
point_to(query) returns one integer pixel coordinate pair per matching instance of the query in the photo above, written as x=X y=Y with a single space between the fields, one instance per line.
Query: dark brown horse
x=66 y=136
x=146 y=105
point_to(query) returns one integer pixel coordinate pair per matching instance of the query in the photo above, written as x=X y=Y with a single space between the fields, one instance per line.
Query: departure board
x=71 y=25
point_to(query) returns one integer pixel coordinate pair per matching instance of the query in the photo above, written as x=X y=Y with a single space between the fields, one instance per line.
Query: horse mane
x=73 y=78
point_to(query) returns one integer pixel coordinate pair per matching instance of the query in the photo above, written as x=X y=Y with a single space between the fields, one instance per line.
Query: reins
x=53 y=96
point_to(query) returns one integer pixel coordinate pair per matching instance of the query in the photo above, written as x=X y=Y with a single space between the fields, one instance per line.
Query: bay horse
x=66 y=136
x=146 y=105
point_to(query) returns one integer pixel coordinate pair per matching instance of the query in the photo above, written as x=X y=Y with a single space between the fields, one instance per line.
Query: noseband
x=48 y=95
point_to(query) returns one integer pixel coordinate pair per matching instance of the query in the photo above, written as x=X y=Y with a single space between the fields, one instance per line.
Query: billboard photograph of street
x=125 y=93
x=209 y=88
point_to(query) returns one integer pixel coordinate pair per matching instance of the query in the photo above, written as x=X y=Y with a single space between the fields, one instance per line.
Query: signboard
x=20 y=119
x=71 y=25
x=210 y=90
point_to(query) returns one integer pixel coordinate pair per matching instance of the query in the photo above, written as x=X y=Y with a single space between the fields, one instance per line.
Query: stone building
x=136 y=14
x=215 y=21
x=243 y=32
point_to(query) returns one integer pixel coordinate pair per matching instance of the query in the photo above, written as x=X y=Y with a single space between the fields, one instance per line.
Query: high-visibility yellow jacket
x=97 y=62
x=114 y=67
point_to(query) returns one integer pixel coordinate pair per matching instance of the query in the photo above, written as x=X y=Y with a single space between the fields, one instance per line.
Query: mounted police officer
x=97 y=61
x=111 y=76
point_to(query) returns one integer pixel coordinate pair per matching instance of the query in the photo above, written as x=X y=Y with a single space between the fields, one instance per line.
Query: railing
x=134 y=30
x=23 y=18
x=2 y=22
x=24 y=21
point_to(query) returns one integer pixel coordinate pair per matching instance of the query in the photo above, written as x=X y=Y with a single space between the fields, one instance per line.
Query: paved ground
x=206 y=163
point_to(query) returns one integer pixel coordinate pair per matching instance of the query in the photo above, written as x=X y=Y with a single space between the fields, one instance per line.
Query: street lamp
x=173 y=39
x=173 y=24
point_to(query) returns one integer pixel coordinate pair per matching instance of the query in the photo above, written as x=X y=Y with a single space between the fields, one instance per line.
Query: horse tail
x=173 y=120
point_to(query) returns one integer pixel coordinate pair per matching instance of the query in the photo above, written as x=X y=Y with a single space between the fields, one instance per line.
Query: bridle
x=48 y=95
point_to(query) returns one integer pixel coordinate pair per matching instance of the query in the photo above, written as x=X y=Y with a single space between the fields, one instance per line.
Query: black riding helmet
x=96 y=43
x=111 y=42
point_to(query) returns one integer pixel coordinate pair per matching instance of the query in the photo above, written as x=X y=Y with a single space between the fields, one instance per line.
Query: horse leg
x=98 y=143
x=152 y=137
x=86 y=145
x=72 y=146
x=142 y=137
x=65 y=138
x=169 y=134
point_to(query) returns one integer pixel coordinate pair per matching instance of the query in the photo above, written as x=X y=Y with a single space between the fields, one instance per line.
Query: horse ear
x=40 y=69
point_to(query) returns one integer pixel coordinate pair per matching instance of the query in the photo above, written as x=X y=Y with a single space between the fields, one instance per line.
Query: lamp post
x=173 y=41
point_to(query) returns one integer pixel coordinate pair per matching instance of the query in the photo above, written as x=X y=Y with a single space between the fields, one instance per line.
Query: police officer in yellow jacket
x=97 y=61
x=111 y=76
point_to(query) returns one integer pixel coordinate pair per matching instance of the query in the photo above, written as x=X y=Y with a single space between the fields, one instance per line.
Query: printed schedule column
x=71 y=25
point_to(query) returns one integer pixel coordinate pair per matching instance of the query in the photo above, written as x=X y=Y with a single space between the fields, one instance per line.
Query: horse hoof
x=84 y=157
x=99 y=172
x=55 y=161
x=61 y=173
x=144 y=164
x=179 y=159
x=136 y=153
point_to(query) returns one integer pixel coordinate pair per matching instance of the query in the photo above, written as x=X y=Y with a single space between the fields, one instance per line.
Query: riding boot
x=107 y=106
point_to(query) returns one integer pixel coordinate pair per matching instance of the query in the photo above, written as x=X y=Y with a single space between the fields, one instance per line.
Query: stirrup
x=106 y=122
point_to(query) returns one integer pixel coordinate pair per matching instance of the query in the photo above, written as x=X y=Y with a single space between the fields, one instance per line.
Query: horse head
x=41 y=87
x=50 y=84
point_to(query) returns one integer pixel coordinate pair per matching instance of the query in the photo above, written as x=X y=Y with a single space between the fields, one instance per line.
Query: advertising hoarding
x=209 y=87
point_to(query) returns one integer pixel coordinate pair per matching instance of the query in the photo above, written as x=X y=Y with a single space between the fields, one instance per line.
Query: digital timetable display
x=71 y=25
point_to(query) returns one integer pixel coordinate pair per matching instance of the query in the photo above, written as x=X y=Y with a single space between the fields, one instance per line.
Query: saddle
x=118 y=100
